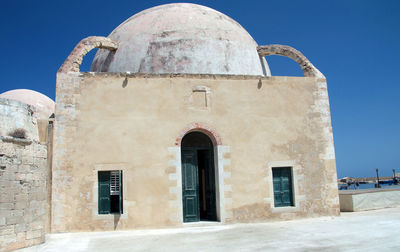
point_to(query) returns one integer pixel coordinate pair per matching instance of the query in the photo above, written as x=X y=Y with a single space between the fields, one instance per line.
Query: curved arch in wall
x=200 y=127
x=74 y=60
x=308 y=68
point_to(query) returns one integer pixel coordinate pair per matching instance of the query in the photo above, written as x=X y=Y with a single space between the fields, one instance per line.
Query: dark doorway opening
x=198 y=178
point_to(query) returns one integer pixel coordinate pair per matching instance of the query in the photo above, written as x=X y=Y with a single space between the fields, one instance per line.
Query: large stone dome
x=181 y=38
x=43 y=104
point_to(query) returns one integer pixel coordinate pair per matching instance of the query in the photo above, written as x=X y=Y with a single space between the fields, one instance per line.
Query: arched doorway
x=198 y=178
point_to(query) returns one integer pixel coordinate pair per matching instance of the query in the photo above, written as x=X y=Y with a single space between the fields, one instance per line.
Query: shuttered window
x=110 y=192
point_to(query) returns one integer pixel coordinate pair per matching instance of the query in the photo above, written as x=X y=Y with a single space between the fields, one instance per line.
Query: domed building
x=25 y=170
x=181 y=38
x=180 y=121
x=43 y=105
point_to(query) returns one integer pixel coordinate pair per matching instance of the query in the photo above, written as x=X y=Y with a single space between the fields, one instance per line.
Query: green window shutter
x=287 y=196
x=276 y=173
x=104 y=192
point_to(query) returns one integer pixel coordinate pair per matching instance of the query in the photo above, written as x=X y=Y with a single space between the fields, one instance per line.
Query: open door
x=198 y=178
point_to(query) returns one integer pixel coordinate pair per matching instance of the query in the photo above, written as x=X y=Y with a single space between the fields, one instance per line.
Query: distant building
x=180 y=121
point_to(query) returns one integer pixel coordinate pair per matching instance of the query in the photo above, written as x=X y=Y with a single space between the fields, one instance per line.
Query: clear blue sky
x=356 y=44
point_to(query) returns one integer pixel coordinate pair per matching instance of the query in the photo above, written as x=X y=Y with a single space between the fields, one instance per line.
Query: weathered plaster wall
x=131 y=123
x=23 y=166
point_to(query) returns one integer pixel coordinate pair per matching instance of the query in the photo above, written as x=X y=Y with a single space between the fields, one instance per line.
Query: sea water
x=371 y=186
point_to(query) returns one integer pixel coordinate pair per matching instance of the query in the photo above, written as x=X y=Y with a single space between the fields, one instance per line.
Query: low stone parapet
x=368 y=199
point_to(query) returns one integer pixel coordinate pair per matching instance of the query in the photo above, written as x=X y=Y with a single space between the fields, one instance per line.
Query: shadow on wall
x=116 y=220
x=259 y=85
x=18 y=133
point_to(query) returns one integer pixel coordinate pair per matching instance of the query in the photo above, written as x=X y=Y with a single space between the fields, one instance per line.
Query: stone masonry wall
x=23 y=164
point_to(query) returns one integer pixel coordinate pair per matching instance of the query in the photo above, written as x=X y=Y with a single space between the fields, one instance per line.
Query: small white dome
x=43 y=104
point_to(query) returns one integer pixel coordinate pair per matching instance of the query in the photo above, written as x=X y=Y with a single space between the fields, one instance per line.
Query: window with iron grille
x=110 y=192
x=114 y=182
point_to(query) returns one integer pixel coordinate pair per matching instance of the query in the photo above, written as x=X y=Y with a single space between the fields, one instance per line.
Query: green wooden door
x=190 y=186
x=104 y=192
x=282 y=179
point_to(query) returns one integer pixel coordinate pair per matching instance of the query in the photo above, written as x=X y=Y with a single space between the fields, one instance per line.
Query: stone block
x=7 y=206
x=41 y=153
x=4 y=213
x=17 y=161
x=20 y=205
x=8 y=175
x=6 y=230
x=2 y=221
x=20 y=176
x=13 y=167
x=11 y=220
x=21 y=227
x=21 y=197
x=29 y=176
x=28 y=217
x=6 y=161
x=24 y=187
x=39 y=196
x=28 y=150
x=9 y=238
x=6 y=197
x=21 y=236
x=36 y=225
x=41 y=211
x=39 y=183
x=33 y=234
x=17 y=213
x=8 y=149
x=6 y=185
x=34 y=241
x=38 y=176
x=24 y=168
x=34 y=204
x=27 y=160
x=16 y=245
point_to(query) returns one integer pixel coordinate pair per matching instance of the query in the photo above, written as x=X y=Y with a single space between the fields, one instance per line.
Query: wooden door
x=190 y=186
x=282 y=179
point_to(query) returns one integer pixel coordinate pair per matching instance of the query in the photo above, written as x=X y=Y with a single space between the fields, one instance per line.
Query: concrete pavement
x=359 y=231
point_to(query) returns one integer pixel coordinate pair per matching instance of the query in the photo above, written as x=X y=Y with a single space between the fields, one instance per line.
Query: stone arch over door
x=200 y=127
